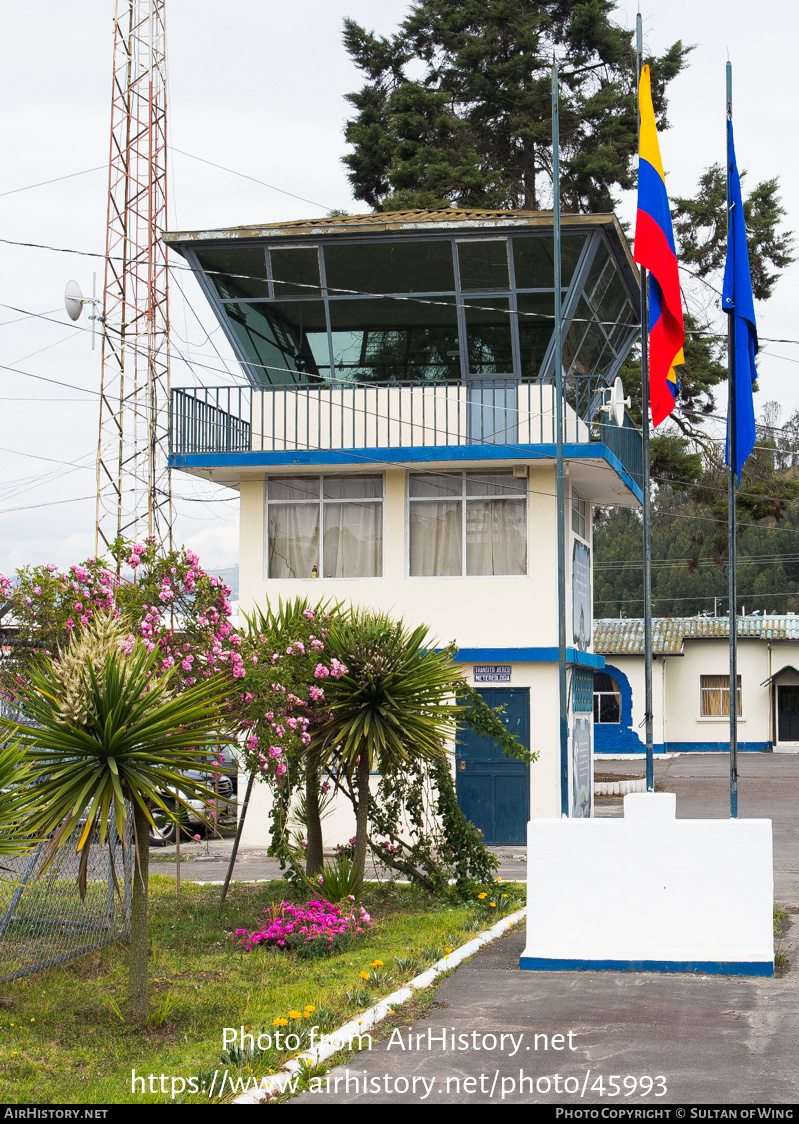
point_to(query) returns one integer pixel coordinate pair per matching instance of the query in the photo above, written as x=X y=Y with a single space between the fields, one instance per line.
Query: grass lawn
x=63 y=1040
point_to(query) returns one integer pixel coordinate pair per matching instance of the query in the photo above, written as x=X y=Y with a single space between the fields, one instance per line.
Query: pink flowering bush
x=167 y=600
x=315 y=929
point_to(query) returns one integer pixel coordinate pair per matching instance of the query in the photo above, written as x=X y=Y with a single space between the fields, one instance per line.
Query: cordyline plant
x=15 y=836
x=108 y=737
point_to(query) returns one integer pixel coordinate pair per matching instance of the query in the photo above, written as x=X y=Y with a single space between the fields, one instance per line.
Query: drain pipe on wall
x=663 y=703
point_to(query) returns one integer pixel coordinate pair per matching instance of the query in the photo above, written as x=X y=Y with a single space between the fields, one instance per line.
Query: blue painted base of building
x=615 y=745
x=695 y=967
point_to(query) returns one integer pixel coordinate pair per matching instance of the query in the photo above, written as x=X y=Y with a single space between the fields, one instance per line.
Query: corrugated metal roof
x=626 y=636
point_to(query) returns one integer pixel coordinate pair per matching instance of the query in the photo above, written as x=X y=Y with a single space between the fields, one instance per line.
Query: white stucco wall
x=678 y=721
x=484 y=612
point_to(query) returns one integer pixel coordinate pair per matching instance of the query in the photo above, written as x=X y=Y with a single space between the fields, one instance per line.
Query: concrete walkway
x=571 y=1039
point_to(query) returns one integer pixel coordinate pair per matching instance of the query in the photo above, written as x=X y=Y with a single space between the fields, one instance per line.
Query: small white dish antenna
x=74 y=301
x=614 y=402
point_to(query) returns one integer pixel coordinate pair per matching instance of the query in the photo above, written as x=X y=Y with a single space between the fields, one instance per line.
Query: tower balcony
x=221 y=431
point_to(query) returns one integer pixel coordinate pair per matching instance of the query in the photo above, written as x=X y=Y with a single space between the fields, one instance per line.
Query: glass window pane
x=534 y=259
x=293 y=540
x=609 y=708
x=388 y=340
x=496 y=537
x=488 y=337
x=575 y=334
x=436 y=539
x=390 y=267
x=353 y=540
x=284 y=341
x=536 y=324
x=435 y=484
x=295 y=272
x=353 y=487
x=495 y=484
x=236 y=271
x=601 y=259
x=483 y=264
x=613 y=300
x=294 y=488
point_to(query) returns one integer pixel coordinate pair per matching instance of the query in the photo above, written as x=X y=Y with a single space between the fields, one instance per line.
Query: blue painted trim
x=601 y=746
x=405 y=455
x=697 y=967
x=528 y=655
x=619 y=737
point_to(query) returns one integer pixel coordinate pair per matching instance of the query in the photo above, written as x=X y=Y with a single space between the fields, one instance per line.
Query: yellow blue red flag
x=654 y=250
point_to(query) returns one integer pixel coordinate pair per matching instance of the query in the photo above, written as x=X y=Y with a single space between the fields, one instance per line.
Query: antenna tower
x=133 y=482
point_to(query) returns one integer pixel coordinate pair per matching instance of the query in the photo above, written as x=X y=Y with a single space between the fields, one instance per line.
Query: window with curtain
x=467 y=523
x=324 y=526
x=714 y=693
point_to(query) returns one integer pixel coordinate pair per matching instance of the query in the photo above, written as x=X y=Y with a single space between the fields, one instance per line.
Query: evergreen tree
x=474 y=130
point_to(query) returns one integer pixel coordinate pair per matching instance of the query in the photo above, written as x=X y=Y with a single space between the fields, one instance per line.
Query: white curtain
x=496 y=538
x=293 y=540
x=436 y=538
x=353 y=540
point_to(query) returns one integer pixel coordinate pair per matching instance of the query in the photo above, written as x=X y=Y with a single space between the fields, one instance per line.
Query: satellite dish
x=615 y=402
x=73 y=300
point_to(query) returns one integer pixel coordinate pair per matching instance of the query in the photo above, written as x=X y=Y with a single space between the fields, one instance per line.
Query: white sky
x=258 y=87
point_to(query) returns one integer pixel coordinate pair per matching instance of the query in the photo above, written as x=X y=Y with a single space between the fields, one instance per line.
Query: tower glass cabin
x=393 y=439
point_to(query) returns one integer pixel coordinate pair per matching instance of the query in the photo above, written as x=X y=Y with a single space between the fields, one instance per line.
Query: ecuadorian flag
x=654 y=250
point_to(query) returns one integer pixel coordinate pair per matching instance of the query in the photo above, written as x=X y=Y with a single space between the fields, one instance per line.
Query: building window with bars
x=324 y=526
x=714 y=693
x=467 y=523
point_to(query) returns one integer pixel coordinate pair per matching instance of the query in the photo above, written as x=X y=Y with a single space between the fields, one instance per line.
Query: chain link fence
x=44 y=921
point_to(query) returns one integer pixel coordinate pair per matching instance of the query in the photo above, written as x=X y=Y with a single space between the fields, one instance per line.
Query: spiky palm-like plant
x=15 y=838
x=394 y=705
x=107 y=733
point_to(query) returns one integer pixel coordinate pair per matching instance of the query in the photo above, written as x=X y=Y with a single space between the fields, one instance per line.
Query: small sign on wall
x=492 y=672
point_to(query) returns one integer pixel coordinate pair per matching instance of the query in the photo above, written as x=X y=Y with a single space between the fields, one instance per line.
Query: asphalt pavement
x=609 y=1040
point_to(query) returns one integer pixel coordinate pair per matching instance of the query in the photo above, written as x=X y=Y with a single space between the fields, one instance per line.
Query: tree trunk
x=362 y=816
x=314 y=857
x=139 y=942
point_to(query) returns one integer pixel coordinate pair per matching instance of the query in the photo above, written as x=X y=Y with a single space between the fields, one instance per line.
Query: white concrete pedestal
x=650 y=893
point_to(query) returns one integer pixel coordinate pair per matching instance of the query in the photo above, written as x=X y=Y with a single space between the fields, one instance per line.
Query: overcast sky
x=259 y=88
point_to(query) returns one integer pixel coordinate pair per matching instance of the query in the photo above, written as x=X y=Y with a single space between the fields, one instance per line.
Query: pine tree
x=475 y=129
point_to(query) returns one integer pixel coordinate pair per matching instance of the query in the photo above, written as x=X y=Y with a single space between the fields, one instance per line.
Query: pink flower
x=320 y=671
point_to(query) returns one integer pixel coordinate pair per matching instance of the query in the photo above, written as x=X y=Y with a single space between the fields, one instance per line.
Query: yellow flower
x=497 y=879
x=377 y=964
x=364 y=975
x=481 y=896
x=447 y=950
x=295 y=1014
x=310 y=1008
x=280 y=1022
x=493 y=905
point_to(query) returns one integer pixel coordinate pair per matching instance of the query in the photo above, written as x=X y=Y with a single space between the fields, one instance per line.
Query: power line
x=56 y=179
x=244 y=176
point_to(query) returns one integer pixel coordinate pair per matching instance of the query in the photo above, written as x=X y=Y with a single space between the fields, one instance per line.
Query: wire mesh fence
x=43 y=919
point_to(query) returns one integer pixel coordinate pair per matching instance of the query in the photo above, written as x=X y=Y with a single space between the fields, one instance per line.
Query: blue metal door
x=494 y=790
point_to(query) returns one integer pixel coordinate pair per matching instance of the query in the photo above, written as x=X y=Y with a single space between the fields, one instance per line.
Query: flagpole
x=732 y=446
x=650 y=759
x=560 y=488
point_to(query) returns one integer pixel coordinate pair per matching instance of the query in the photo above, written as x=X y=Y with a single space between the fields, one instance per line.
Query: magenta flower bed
x=315 y=928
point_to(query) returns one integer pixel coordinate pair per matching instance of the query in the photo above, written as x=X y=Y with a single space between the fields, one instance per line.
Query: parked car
x=194 y=815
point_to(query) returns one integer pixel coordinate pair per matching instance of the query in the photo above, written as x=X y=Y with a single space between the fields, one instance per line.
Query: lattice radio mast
x=133 y=482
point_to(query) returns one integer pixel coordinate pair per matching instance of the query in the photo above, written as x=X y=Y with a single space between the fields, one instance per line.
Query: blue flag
x=737 y=301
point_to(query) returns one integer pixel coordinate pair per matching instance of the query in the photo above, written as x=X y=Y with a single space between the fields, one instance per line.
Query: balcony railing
x=400 y=415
